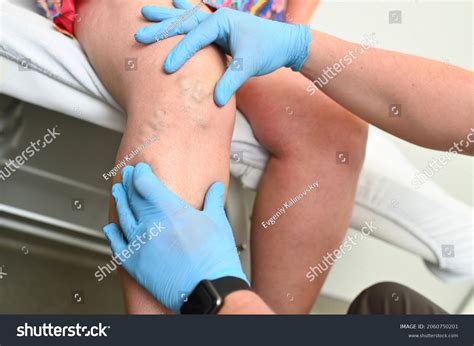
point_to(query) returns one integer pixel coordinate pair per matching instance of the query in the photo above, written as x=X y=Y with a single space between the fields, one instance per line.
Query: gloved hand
x=258 y=46
x=169 y=247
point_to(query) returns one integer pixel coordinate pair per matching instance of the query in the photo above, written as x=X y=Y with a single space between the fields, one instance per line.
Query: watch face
x=204 y=300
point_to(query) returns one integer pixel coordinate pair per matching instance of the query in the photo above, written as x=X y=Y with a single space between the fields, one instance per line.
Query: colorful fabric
x=50 y=7
x=269 y=9
x=63 y=12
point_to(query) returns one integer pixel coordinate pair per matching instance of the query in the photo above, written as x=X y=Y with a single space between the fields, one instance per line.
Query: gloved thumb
x=234 y=77
x=214 y=198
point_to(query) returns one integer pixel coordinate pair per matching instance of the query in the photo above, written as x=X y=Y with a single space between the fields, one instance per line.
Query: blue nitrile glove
x=169 y=247
x=258 y=46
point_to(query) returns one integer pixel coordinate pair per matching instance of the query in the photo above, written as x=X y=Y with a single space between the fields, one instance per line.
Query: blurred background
x=53 y=209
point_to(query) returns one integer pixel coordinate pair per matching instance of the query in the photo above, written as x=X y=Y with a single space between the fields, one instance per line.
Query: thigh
x=106 y=33
x=195 y=134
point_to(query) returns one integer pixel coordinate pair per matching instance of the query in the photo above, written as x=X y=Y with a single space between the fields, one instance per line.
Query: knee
x=339 y=138
x=184 y=99
x=194 y=81
x=345 y=138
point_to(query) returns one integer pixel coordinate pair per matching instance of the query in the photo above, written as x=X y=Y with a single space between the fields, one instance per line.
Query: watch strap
x=228 y=285
x=208 y=296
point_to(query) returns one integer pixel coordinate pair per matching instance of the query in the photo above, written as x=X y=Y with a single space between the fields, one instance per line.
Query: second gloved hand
x=169 y=246
x=258 y=46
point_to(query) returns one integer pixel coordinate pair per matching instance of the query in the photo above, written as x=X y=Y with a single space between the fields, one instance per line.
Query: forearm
x=244 y=303
x=300 y=11
x=434 y=100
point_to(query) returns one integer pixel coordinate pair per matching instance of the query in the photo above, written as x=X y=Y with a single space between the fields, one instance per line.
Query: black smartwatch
x=208 y=296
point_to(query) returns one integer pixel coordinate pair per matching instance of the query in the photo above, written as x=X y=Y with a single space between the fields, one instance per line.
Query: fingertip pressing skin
x=146 y=182
x=215 y=194
x=118 y=192
x=153 y=33
x=219 y=187
x=125 y=214
x=142 y=170
x=219 y=192
x=127 y=175
x=108 y=229
x=183 y=4
x=114 y=237
x=219 y=99
x=168 y=64
x=115 y=190
x=145 y=9
x=221 y=96
x=139 y=36
x=143 y=166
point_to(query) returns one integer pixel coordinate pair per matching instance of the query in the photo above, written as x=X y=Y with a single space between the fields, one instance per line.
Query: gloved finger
x=115 y=238
x=183 y=4
x=214 y=200
x=134 y=199
x=166 y=29
x=230 y=82
x=152 y=189
x=127 y=174
x=125 y=214
x=159 y=14
x=202 y=36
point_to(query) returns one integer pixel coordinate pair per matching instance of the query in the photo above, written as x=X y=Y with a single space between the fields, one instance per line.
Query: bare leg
x=194 y=146
x=303 y=134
